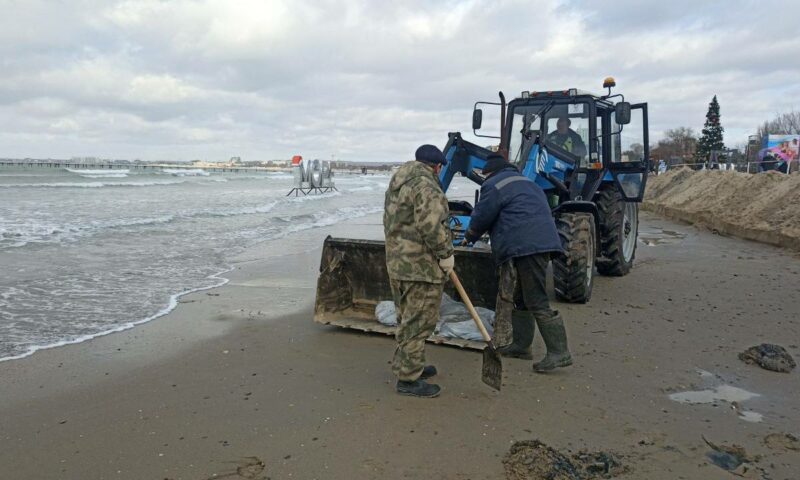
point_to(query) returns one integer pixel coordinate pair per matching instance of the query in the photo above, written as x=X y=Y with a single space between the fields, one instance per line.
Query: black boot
x=522 y=333
x=418 y=388
x=555 y=339
x=428 y=372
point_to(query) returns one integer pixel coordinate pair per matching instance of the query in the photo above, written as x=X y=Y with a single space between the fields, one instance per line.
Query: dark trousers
x=531 y=290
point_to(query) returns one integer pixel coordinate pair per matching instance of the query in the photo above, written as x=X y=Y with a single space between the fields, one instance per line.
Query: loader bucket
x=353 y=279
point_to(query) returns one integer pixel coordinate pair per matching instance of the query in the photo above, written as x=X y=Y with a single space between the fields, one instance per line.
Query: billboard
x=779 y=151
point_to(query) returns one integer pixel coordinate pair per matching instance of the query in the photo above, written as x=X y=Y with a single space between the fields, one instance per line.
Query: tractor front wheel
x=619 y=228
x=573 y=270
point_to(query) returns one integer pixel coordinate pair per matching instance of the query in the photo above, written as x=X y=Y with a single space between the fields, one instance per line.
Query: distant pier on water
x=353 y=168
x=131 y=166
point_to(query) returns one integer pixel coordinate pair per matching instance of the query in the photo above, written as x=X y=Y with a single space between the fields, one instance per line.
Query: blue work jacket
x=515 y=212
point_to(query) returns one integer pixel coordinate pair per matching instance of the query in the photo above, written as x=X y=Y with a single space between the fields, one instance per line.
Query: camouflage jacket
x=415 y=222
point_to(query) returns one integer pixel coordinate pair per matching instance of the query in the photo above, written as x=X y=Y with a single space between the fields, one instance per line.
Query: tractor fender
x=582 y=206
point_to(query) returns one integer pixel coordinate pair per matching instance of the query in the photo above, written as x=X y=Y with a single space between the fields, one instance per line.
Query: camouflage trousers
x=417 y=306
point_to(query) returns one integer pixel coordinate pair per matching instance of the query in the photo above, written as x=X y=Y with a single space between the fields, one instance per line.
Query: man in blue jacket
x=515 y=212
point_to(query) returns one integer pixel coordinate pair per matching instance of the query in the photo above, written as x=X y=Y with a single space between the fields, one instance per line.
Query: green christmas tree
x=711 y=139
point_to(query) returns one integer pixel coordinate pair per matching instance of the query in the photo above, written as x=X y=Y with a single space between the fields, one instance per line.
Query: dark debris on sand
x=770 y=357
x=533 y=460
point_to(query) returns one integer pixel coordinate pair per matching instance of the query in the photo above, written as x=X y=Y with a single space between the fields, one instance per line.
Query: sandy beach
x=238 y=382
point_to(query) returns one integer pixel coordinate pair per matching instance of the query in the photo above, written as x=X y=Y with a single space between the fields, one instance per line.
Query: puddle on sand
x=658 y=236
x=720 y=393
x=750 y=416
x=726 y=393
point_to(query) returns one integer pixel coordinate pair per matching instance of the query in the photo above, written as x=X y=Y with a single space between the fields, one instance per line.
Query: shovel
x=492 y=370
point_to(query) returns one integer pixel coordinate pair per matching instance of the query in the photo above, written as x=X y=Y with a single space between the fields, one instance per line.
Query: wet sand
x=240 y=377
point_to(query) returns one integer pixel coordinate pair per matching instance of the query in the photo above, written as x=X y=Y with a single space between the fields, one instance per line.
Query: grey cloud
x=364 y=80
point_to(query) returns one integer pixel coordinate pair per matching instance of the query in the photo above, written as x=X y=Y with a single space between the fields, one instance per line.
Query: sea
x=89 y=252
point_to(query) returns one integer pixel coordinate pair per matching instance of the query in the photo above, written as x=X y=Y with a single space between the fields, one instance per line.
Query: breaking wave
x=187 y=172
x=91 y=184
x=110 y=173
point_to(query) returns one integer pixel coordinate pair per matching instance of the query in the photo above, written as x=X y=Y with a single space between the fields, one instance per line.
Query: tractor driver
x=567 y=138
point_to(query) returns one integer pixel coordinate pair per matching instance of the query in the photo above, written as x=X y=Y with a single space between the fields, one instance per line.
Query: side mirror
x=477 y=119
x=622 y=113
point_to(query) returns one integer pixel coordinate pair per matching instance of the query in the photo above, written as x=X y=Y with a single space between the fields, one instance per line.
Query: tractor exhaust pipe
x=502 y=149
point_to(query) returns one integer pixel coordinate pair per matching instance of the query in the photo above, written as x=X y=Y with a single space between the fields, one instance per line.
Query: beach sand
x=238 y=382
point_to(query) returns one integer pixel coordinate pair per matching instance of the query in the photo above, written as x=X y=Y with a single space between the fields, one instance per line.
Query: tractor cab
x=574 y=137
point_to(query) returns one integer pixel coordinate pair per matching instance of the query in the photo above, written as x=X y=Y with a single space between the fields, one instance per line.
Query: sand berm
x=763 y=207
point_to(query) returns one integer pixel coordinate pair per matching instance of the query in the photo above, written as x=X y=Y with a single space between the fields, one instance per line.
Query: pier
x=132 y=166
x=354 y=169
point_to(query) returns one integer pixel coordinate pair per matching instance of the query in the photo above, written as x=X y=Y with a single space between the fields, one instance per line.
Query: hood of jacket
x=409 y=171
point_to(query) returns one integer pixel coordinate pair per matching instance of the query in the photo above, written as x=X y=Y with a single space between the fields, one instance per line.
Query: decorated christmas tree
x=711 y=138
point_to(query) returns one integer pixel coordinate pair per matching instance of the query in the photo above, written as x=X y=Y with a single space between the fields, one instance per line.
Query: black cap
x=431 y=155
x=494 y=162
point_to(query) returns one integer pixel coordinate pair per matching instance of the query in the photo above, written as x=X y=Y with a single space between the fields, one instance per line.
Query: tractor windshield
x=566 y=128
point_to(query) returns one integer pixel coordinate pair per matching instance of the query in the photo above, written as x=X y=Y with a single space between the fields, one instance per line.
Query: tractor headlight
x=573 y=92
x=526 y=94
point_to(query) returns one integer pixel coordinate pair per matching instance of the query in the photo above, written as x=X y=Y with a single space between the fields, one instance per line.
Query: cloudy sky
x=365 y=80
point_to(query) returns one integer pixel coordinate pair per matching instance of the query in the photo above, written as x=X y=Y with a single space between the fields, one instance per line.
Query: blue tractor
x=589 y=153
x=591 y=159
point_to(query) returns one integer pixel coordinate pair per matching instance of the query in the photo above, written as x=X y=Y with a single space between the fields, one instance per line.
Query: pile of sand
x=764 y=207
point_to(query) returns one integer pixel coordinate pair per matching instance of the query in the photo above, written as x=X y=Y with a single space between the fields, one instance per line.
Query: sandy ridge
x=764 y=207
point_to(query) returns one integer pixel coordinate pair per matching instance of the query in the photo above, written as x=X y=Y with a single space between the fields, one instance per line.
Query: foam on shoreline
x=171 y=305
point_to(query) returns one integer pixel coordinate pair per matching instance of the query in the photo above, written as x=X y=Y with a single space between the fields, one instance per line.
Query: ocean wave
x=325 y=219
x=296 y=223
x=171 y=305
x=15 y=235
x=110 y=173
x=310 y=198
x=21 y=234
x=91 y=184
x=266 y=208
x=188 y=172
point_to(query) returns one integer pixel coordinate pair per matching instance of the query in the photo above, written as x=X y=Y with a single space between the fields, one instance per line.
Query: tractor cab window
x=568 y=129
x=628 y=152
x=631 y=139
x=525 y=123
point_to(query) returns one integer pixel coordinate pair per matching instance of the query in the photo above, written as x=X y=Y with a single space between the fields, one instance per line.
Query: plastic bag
x=386 y=313
x=454 y=319
x=456 y=322
x=466 y=330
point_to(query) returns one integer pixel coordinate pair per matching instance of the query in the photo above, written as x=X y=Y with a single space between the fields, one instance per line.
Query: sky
x=366 y=80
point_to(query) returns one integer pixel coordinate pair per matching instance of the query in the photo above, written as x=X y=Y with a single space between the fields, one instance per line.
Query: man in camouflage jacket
x=419 y=258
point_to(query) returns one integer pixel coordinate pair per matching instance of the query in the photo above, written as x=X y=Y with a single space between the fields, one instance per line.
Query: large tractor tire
x=619 y=229
x=573 y=271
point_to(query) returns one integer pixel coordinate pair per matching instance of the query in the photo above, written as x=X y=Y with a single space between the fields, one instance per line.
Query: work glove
x=447 y=264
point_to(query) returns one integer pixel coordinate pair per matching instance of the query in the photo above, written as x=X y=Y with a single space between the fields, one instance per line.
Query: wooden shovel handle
x=463 y=294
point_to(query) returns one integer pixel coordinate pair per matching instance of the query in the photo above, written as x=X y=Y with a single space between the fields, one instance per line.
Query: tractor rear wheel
x=619 y=229
x=573 y=270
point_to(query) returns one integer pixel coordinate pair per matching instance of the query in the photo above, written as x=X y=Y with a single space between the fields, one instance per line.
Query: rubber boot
x=555 y=339
x=428 y=372
x=522 y=334
x=418 y=388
